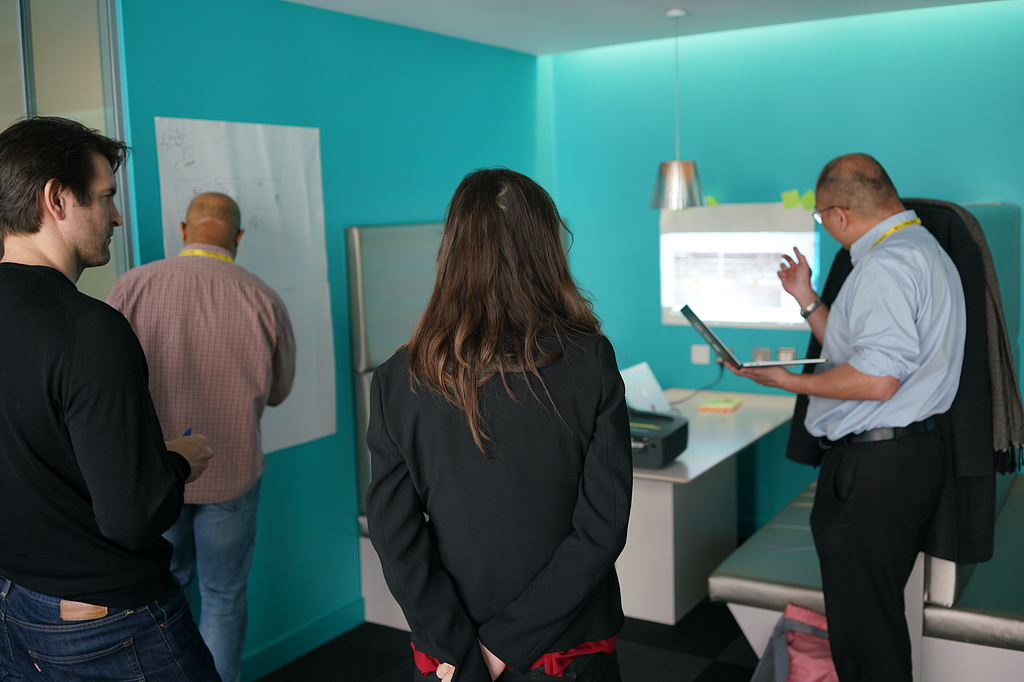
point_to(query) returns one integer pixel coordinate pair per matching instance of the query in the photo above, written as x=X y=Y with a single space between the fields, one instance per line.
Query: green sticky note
x=791 y=198
x=807 y=199
x=710 y=200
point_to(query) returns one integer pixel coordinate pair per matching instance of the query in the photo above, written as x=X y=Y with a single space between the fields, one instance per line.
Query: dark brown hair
x=503 y=292
x=37 y=150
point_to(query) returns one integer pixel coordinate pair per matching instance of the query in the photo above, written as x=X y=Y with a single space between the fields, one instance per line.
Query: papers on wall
x=273 y=173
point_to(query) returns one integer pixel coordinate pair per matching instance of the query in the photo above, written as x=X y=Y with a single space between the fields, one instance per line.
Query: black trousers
x=871 y=514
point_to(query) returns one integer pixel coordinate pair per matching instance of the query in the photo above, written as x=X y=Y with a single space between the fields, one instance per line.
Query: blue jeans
x=158 y=642
x=217 y=540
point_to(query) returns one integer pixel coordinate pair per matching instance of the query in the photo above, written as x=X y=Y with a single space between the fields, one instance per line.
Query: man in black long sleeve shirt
x=87 y=484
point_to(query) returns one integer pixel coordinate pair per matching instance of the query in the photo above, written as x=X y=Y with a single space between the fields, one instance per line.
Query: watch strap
x=804 y=313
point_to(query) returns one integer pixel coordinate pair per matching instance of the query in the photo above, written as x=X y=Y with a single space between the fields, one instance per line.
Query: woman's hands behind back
x=495 y=666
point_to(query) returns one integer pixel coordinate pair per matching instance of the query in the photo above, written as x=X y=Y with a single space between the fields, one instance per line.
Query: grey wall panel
x=390 y=278
x=391 y=275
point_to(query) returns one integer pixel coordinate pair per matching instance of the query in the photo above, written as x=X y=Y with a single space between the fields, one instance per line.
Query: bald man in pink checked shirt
x=220 y=347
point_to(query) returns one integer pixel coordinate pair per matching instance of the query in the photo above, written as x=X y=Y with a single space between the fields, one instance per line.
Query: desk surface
x=714 y=437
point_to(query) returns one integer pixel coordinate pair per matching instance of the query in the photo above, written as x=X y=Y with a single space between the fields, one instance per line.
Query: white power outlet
x=700 y=354
x=762 y=355
x=784 y=353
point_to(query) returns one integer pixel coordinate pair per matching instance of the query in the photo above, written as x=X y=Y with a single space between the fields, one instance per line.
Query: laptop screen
x=709 y=336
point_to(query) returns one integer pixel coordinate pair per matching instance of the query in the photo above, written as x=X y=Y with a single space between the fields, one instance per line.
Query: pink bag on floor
x=798 y=650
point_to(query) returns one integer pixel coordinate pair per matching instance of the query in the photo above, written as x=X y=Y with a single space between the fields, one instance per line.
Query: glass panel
x=10 y=64
x=66 y=56
x=68 y=80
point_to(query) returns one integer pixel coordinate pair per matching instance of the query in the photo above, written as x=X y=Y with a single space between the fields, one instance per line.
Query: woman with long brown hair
x=500 y=453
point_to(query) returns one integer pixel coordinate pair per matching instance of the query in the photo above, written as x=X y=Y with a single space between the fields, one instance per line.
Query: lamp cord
x=675 y=22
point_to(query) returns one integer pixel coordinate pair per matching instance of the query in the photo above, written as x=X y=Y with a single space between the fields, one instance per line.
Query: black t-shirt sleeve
x=135 y=483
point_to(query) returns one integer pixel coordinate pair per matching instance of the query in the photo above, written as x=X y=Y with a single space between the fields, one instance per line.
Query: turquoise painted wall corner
x=935 y=95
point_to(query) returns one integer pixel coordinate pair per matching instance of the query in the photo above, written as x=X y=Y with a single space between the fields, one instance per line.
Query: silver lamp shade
x=678 y=186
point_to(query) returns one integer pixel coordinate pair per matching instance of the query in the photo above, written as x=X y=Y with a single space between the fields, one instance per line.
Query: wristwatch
x=811 y=308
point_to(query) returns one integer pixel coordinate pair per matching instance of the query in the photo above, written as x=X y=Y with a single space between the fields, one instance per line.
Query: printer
x=656 y=438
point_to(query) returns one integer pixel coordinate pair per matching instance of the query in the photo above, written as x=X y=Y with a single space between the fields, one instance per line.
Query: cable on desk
x=721 y=373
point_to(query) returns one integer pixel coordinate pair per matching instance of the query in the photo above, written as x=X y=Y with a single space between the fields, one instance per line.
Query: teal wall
x=403 y=115
x=936 y=95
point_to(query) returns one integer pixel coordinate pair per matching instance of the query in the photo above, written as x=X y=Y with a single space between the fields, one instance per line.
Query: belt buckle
x=76 y=610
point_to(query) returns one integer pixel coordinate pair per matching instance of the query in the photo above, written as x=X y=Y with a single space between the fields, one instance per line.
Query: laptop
x=643 y=392
x=726 y=354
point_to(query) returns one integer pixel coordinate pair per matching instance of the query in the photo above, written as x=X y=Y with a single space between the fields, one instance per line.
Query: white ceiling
x=551 y=26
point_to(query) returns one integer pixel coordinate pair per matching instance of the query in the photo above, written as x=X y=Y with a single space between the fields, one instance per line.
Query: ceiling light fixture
x=678 y=185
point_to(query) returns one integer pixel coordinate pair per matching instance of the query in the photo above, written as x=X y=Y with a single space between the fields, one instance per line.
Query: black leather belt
x=881 y=434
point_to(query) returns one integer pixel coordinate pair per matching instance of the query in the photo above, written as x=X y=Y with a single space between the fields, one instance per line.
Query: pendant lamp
x=678 y=185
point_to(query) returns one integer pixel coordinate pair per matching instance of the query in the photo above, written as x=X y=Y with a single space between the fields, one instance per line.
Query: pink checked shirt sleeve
x=220 y=348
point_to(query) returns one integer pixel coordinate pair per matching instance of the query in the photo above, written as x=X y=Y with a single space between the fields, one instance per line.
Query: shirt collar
x=862 y=246
x=212 y=248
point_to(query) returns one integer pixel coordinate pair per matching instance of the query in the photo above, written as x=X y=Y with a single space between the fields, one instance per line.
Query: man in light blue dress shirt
x=895 y=340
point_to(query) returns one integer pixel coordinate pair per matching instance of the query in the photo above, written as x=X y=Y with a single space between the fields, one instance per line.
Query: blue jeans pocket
x=118 y=662
x=158 y=642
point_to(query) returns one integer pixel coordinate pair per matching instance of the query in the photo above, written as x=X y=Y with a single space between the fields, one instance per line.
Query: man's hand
x=195 y=450
x=776 y=377
x=796 y=278
x=495 y=666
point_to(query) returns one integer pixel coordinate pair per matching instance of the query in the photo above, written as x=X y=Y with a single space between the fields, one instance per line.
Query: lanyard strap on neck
x=895 y=228
x=221 y=256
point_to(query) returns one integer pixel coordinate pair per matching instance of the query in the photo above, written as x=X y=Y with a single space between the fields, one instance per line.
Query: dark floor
x=705 y=646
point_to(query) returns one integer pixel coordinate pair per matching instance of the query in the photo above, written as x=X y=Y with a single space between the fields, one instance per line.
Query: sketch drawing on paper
x=186 y=191
x=267 y=193
x=173 y=137
x=233 y=187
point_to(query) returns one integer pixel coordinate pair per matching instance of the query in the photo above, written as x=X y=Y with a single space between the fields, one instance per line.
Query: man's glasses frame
x=817 y=213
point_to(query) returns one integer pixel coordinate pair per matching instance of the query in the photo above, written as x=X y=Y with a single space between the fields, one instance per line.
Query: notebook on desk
x=727 y=355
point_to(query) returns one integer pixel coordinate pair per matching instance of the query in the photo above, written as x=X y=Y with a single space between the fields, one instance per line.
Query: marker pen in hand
x=188 y=432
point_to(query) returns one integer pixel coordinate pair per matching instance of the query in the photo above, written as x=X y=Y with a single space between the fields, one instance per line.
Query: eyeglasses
x=816 y=214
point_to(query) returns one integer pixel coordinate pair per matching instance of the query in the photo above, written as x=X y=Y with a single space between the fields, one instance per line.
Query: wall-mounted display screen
x=730 y=276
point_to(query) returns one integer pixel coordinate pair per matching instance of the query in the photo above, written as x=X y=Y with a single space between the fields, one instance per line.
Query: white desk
x=683 y=519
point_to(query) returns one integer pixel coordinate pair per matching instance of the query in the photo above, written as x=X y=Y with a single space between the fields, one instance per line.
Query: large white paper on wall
x=273 y=172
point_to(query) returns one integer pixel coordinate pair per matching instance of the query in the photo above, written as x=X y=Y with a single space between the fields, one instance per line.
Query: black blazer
x=520 y=544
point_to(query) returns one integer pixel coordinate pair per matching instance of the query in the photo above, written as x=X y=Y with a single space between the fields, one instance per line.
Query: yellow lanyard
x=895 y=228
x=229 y=259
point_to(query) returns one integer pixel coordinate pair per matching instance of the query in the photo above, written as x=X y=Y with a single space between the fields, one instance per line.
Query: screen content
x=731 y=277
